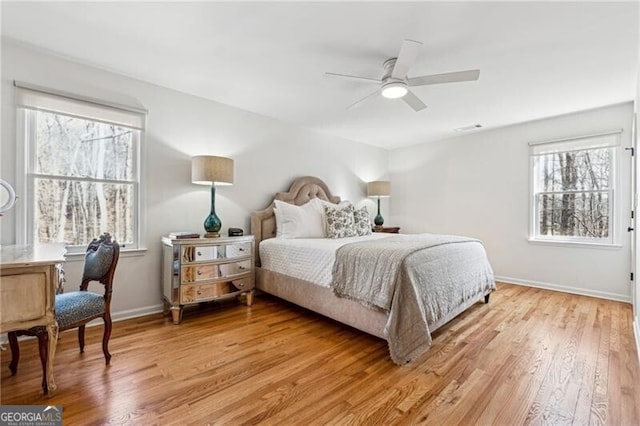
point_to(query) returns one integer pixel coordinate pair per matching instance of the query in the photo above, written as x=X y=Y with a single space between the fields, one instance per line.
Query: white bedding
x=309 y=259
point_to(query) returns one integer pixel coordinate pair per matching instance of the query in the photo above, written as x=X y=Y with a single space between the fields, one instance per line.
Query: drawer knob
x=240 y=284
x=241 y=249
x=242 y=268
x=199 y=253
x=199 y=292
x=199 y=272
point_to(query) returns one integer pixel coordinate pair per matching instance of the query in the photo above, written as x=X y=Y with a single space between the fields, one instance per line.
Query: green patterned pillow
x=340 y=221
x=362 y=221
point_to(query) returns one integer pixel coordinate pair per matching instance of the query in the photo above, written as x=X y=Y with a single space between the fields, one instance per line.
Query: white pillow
x=306 y=221
x=278 y=216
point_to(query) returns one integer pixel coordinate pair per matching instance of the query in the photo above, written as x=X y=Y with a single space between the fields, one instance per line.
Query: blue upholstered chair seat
x=76 y=306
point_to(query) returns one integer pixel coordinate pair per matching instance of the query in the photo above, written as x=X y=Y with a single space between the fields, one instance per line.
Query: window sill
x=79 y=257
x=577 y=244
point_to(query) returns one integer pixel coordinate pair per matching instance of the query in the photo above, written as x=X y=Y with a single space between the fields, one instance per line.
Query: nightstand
x=196 y=270
x=387 y=229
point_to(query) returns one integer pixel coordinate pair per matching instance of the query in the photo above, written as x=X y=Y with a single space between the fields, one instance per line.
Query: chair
x=75 y=309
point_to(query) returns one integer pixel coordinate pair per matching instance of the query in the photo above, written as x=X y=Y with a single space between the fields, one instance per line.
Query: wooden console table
x=28 y=281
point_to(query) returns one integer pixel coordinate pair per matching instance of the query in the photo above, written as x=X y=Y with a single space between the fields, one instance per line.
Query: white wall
x=268 y=154
x=478 y=185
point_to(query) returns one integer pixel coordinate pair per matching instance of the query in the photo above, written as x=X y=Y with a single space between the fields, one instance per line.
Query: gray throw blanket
x=417 y=279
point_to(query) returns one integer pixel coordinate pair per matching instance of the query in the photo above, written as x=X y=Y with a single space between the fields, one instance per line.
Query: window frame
x=614 y=198
x=26 y=135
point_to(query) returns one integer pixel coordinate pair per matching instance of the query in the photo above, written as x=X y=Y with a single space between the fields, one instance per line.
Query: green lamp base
x=212 y=224
x=378 y=220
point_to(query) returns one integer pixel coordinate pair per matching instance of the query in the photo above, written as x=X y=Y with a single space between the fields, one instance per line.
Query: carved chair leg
x=105 y=338
x=81 y=338
x=15 y=352
x=43 y=348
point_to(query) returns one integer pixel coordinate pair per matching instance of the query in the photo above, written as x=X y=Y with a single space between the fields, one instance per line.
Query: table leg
x=250 y=298
x=52 y=331
x=176 y=314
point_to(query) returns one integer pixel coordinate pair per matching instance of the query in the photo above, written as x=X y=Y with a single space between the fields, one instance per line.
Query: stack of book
x=184 y=234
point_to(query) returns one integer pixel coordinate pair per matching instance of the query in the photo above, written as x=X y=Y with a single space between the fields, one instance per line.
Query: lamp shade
x=380 y=188
x=209 y=169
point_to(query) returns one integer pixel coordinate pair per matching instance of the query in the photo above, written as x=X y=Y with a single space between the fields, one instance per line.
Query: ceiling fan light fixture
x=394 y=90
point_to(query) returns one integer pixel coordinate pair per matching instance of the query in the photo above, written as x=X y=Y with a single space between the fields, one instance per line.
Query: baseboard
x=135 y=313
x=566 y=289
x=129 y=314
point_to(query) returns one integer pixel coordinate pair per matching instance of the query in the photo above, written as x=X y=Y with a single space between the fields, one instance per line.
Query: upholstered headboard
x=303 y=189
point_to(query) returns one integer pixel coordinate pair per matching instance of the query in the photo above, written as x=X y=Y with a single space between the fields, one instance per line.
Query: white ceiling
x=536 y=59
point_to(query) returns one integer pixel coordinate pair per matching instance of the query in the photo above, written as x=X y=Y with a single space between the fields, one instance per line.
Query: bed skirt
x=323 y=301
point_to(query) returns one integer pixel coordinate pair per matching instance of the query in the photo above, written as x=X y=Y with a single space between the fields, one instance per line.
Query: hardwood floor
x=530 y=356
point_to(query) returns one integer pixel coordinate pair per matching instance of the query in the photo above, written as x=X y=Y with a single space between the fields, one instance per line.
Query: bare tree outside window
x=84 y=180
x=573 y=194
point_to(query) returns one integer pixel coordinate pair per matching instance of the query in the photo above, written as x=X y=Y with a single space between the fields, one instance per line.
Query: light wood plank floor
x=529 y=357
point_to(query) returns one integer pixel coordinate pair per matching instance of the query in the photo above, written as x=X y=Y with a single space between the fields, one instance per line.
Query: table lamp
x=378 y=189
x=212 y=170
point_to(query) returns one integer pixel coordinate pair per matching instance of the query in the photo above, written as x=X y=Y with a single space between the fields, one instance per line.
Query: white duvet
x=309 y=259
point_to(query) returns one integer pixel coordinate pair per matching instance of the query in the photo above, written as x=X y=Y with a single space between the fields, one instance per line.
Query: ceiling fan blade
x=449 y=77
x=353 y=77
x=413 y=101
x=406 y=58
x=363 y=100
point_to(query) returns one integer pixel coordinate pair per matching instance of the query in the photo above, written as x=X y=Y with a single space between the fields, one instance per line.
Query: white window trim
x=614 y=200
x=564 y=243
x=25 y=133
x=22 y=222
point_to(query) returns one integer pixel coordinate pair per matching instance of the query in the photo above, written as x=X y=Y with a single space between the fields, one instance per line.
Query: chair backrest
x=100 y=262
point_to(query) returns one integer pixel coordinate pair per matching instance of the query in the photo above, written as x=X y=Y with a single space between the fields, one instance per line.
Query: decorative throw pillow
x=306 y=221
x=362 y=221
x=321 y=204
x=340 y=221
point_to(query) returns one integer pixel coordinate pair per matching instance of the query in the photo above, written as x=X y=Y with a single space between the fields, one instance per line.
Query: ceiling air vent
x=467 y=128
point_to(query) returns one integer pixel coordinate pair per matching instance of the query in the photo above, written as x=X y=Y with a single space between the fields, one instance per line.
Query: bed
x=462 y=263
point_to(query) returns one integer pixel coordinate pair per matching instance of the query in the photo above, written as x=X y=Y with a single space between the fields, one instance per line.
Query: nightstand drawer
x=243 y=284
x=194 y=293
x=238 y=250
x=206 y=253
x=196 y=273
x=200 y=253
x=235 y=268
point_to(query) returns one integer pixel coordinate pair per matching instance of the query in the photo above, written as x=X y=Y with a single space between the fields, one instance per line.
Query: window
x=81 y=170
x=574 y=189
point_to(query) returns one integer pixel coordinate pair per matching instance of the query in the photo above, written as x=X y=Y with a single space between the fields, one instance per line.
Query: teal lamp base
x=378 y=220
x=212 y=224
x=210 y=231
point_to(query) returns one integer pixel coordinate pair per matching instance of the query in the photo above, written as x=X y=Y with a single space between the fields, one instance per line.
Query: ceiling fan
x=395 y=84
